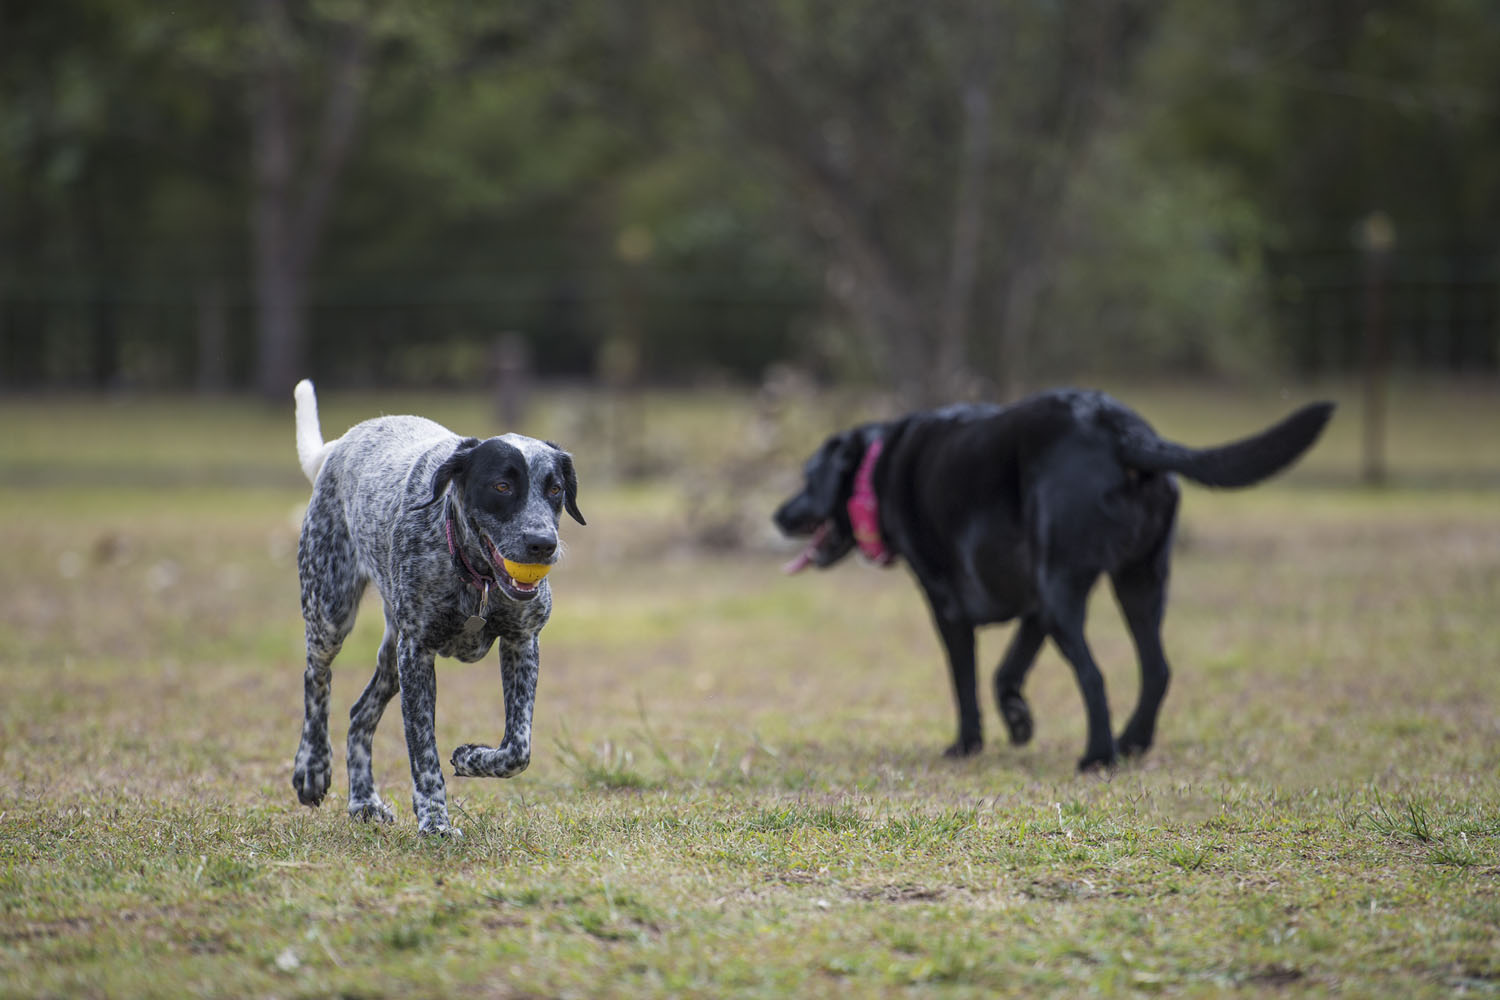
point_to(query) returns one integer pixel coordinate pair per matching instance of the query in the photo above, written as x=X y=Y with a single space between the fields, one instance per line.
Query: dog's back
x=384 y=455
x=1088 y=415
x=365 y=478
x=381 y=450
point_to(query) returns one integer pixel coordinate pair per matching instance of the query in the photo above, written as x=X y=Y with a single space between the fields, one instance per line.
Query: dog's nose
x=789 y=516
x=539 y=547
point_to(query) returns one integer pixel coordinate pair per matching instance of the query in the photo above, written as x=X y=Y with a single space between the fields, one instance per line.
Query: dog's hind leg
x=1011 y=674
x=364 y=803
x=1065 y=603
x=331 y=588
x=1142 y=592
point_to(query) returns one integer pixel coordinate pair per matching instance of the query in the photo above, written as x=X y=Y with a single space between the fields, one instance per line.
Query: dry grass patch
x=736 y=788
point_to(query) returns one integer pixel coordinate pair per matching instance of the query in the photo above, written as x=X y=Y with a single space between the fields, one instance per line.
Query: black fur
x=1013 y=513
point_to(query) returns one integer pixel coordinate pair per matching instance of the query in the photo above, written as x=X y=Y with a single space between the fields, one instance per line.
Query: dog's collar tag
x=477 y=621
x=864 y=510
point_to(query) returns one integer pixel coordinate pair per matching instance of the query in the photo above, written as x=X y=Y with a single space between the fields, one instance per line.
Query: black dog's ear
x=831 y=471
x=570 y=484
x=453 y=466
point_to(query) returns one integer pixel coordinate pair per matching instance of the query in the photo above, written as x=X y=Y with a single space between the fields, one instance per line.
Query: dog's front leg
x=958 y=640
x=518 y=672
x=429 y=798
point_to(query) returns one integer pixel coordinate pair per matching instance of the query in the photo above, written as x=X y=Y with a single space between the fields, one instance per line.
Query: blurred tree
x=294 y=190
x=1318 y=115
x=1159 y=267
x=492 y=141
x=462 y=106
x=926 y=146
x=108 y=169
x=924 y=194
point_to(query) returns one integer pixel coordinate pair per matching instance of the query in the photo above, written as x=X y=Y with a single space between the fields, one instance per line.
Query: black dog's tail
x=1239 y=463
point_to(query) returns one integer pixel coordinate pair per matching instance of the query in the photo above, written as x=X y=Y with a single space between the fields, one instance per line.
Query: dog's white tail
x=311 y=449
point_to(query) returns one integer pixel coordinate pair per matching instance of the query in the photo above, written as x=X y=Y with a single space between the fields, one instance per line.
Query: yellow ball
x=526 y=572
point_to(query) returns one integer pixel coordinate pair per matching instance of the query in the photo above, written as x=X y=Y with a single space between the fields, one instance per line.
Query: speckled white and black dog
x=429 y=517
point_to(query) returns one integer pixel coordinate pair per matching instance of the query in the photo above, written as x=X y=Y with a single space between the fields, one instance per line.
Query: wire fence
x=1439 y=313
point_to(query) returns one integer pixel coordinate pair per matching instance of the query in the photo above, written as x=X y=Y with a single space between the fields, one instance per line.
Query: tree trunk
x=212 y=375
x=1379 y=238
x=951 y=369
x=278 y=298
x=104 y=358
x=287 y=222
x=1017 y=319
x=887 y=315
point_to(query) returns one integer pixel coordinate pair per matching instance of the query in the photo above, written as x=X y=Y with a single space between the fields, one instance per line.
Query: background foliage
x=932 y=197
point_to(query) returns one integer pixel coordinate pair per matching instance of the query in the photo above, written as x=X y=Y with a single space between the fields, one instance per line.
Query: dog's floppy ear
x=453 y=466
x=832 y=470
x=570 y=483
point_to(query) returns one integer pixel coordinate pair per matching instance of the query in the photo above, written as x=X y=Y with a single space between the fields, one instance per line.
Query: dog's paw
x=1098 y=761
x=371 y=811
x=1017 y=717
x=311 y=776
x=967 y=747
x=469 y=761
x=1133 y=742
x=440 y=828
x=472 y=760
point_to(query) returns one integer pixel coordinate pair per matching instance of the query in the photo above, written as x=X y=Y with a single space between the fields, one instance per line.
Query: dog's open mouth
x=509 y=585
x=813 y=553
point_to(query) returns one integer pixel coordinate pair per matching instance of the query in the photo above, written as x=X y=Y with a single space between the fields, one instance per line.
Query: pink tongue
x=798 y=564
x=804 y=558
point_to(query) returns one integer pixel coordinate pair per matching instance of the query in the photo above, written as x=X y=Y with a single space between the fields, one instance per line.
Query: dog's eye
x=554 y=490
x=502 y=487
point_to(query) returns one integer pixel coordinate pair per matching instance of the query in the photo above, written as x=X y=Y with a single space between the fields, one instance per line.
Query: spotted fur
x=385 y=497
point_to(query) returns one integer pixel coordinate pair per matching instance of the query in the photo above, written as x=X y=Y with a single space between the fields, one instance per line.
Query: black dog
x=1014 y=512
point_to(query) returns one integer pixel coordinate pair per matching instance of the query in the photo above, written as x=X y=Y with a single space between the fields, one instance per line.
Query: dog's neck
x=864 y=509
x=477 y=579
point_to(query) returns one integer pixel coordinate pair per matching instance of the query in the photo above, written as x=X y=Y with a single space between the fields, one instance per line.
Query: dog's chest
x=469 y=627
x=468 y=644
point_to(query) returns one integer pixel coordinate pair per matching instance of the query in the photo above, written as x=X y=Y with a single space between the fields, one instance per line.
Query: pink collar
x=864 y=509
x=479 y=581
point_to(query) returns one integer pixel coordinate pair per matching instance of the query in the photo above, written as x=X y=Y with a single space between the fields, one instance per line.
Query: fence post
x=212 y=329
x=511 y=366
x=1377 y=238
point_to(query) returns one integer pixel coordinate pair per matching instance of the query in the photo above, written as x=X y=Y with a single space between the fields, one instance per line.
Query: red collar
x=864 y=509
x=479 y=581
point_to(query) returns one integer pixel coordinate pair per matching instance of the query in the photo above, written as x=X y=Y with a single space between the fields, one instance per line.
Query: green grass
x=736 y=787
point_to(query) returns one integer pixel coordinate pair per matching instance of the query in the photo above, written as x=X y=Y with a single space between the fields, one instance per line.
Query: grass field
x=736 y=787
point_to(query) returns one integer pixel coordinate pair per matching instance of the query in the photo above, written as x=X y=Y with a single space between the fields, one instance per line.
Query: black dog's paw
x=964 y=747
x=1017 y=716
x=1098 y=760
x=1133 y=742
